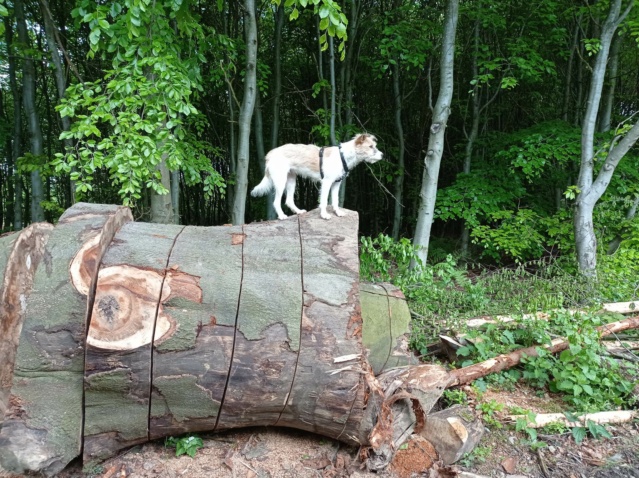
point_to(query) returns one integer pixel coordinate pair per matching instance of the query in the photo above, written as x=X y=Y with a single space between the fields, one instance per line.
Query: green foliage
x=476 y=457
x=454 y=397
x=586 y=377
x=488 y=411
x=141 y=112
x=187 y=445
x=332 y=21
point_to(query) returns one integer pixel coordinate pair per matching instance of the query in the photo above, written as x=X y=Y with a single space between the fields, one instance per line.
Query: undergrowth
x=442 y=295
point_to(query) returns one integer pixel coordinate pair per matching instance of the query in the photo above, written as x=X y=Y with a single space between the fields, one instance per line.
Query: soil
x=286 y=453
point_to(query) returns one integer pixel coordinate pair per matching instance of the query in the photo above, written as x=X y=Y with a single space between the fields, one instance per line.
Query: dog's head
x=366 y=148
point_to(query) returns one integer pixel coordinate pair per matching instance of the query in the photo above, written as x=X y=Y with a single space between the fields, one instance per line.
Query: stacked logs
x=116 y=332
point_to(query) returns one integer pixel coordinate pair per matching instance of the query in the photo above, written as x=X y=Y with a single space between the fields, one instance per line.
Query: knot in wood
x=435 y=128
x=108 y=308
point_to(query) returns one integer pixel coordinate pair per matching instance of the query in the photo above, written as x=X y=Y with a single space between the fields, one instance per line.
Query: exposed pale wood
x=43 y=426
x=453 y=432
x=614 y=307
x=544 y=419
x=466 y=375
x=129 y=296
x=20 y=255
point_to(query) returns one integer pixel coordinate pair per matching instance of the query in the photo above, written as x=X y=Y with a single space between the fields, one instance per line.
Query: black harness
x=341 y=156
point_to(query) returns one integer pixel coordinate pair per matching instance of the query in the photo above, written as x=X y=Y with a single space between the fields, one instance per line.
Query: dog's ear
x=360 y=138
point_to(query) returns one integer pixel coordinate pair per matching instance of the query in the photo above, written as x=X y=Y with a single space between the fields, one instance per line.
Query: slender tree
x=591 y=188
x=432 y=161
x=246 y=114
x=33 y=117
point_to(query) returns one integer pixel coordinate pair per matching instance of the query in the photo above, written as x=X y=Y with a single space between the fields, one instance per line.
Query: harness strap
x=341 y=156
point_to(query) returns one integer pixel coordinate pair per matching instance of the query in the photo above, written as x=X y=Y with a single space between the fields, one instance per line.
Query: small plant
x=475 y=457
x=488 y=410
x=579 y=433
x=188 y=445
x=454 y=397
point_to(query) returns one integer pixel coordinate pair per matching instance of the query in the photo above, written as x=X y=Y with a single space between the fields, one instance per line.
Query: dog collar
x=341 y=156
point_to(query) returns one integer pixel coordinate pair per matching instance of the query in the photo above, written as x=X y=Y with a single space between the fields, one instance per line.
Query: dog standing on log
x=328 y=165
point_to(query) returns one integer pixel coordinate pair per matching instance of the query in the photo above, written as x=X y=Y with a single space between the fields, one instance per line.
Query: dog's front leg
x=326 y=187
x=335 y=199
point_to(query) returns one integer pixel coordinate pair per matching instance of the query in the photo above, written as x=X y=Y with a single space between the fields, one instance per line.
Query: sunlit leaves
x=138 y=114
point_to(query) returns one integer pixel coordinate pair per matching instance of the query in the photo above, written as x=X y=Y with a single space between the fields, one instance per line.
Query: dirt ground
x=286 y=453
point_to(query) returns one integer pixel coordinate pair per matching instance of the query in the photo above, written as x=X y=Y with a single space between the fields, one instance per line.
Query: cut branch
x=466 y=375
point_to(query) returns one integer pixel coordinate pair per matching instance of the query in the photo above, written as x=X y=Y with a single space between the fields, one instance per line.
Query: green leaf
x=579 y=433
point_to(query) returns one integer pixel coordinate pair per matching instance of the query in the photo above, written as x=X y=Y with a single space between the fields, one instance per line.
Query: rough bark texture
x=42 y=430
x=198 y=329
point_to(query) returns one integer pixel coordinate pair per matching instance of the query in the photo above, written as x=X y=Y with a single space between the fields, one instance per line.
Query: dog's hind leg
x=290 y=194
x=279 y=183
x=335 y=199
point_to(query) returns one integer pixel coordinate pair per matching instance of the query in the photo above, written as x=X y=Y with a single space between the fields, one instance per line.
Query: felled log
x=135 y=331
x=464 y=375
x=544 y=419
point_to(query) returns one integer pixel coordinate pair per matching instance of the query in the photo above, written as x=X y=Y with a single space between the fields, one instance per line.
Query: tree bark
x=246 y=113
x=181 y=342
x=33 y=118
x=432 y=161
x=609 y=98
x=16 y=140
x=42 y=430
x=399 y=179
x=60 y=80
x=590 y=189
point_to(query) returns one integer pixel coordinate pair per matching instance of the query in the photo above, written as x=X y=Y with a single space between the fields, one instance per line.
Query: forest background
x=170 y=105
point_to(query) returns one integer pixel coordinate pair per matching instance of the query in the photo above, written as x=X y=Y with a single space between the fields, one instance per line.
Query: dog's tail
x=264 y=187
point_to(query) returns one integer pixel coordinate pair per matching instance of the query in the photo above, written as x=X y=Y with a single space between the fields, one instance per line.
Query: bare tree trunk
x=346 y=75
x=592 y=189
x=16 y=147
x=331 y=62
x=571 y=62
x=161 y=204
x=609 y=98
x=60 y=81
x=399 y=179
x=33 y=118
x=175 y=196
x=472 y=136
x=246 y=113
x=277 y=76
x=432 y=161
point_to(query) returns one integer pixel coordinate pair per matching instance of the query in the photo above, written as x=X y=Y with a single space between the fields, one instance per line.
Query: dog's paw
x=339 y=213
x=300 y=211
x=325 y=215
x=282 y=217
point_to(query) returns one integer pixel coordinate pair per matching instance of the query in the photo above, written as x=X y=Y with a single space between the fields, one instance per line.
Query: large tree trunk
x=246 y=113
x=42 y=429
x=590 y=189
x=33 y=118
x=432 y=161
x=267 y=328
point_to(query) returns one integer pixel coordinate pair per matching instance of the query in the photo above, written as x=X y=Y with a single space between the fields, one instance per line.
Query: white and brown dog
x=328 y=165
